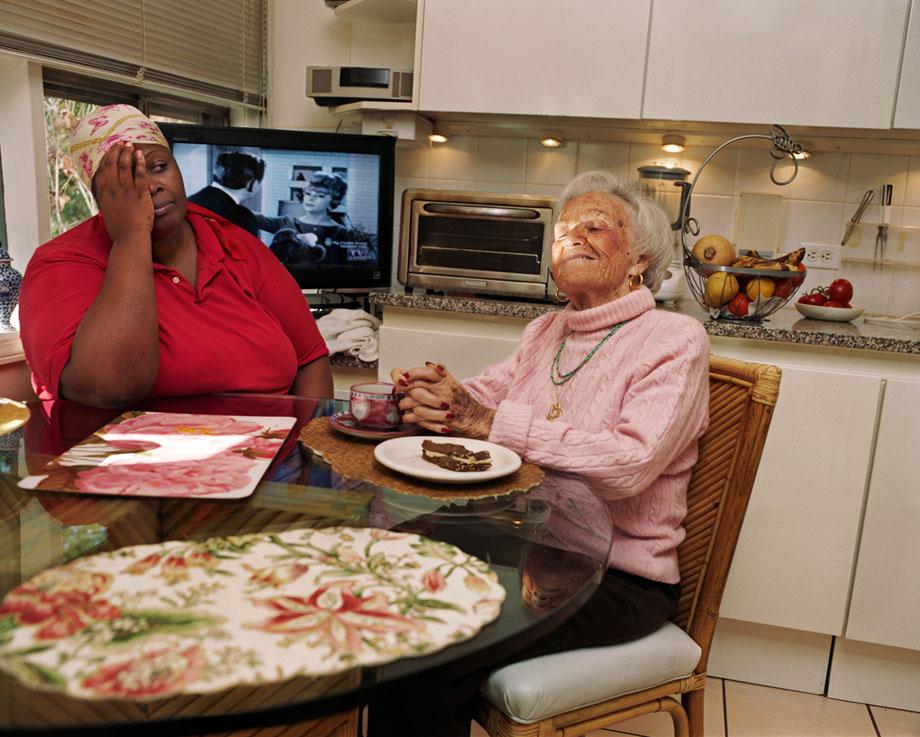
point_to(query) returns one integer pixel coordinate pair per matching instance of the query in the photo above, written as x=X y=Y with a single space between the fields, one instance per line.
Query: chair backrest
x=742 y=396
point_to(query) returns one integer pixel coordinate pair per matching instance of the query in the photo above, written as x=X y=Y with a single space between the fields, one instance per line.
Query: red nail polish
x=404 y=382
x=449 y=416
x=445 y=429
x=429 y=363
x=406 y=375
x=440 y=368
x=445 y=405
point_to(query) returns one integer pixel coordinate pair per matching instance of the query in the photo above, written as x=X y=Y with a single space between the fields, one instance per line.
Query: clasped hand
x=122 y=190
x=438 y=402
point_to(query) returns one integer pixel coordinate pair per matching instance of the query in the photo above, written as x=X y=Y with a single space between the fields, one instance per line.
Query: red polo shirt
x=245 y=326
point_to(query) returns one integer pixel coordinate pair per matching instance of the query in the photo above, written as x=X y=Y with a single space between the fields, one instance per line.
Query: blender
x=670 y=190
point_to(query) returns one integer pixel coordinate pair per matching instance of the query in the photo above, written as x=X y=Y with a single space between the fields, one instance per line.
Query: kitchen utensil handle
x=885 y=204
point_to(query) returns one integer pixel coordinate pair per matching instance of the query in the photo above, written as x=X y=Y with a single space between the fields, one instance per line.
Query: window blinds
x=215 y=47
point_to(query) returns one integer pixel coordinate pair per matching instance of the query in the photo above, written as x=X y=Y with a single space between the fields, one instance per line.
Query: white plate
x=405 y=455
x=834 y=314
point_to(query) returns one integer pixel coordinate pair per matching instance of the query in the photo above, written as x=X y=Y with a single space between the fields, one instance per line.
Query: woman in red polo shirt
x=155 y=296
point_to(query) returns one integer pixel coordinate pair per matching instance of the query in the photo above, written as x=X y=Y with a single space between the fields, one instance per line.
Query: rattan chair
x=580 y=691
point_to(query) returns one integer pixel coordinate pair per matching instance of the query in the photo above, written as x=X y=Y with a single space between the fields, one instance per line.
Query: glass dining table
x=548 y=547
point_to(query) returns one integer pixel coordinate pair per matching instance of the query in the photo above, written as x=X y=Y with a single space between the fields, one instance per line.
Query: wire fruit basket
x=751 y=287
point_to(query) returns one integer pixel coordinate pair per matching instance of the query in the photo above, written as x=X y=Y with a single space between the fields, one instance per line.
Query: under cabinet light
x=673 y=144
x=438 y=135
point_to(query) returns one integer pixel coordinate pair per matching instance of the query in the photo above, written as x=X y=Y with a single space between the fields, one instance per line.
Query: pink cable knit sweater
x=631 y=417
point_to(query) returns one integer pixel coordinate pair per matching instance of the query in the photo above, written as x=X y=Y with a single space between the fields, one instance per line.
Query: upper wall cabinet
x=907 y=113
x=533 y=57
x=794 y=62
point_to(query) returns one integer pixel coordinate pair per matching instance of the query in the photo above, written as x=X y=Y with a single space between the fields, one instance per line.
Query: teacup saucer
x=348 y=425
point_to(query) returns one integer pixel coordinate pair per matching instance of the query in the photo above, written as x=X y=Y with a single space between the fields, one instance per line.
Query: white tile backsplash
x=550 y=165
x=713 y=213
x=501 y=159
x=603 y=155
x=811 y=222
x=719 y=175
x=816 y=207
x=905 y=292
x=912 y=191
x=552 y=190
x=871 y=171
x=412 y=162
x=822 y=177
x=455 y=159
x=462 y=185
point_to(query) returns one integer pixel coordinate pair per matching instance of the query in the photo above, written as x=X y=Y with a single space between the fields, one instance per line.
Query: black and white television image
x=324 y=210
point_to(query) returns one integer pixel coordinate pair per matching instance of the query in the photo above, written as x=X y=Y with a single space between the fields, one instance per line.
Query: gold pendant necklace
x=559 y=378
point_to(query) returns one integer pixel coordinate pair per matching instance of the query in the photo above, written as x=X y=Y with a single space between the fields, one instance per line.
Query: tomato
x=815 y=298
x=739 y=305
x=832 y=303
x=840 y=291
x=786 y=287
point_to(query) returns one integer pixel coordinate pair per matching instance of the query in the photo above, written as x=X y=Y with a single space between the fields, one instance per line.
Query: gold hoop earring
x=560 y=296
x=635 y=281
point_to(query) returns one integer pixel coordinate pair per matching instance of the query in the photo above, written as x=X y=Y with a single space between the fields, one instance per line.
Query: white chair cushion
x=553 y=684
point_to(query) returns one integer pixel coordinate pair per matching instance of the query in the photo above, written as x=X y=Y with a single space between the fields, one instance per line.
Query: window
x=213 y=48
x=68 y=98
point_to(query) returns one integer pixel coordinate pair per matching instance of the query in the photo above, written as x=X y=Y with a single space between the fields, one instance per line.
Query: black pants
x=624 y=607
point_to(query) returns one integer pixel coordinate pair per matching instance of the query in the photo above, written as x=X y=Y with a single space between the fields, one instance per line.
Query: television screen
x=321 y=202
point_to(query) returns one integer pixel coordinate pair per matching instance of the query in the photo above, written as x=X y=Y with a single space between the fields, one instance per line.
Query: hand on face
x=123 y=193
x=438 y=402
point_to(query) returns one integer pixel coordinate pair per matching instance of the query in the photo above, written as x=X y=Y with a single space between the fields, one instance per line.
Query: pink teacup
x=376 y=405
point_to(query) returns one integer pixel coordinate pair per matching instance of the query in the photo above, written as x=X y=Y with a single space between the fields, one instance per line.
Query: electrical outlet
x=821 y=256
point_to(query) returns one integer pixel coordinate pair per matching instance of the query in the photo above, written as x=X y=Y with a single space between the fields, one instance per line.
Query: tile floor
x=735 y=709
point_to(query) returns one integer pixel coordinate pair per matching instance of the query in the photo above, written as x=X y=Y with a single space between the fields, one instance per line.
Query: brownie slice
x=455 y=457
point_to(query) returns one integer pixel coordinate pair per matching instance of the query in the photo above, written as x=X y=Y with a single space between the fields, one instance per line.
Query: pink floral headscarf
x=95 y=134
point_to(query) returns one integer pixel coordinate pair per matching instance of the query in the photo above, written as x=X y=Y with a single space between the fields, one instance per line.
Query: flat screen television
x=321 y=202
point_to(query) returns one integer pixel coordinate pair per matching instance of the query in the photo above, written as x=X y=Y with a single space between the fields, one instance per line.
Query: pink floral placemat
x=167 y=454
x=151 y=621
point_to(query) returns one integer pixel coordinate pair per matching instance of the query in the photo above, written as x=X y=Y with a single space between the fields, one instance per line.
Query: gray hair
x=649 y=228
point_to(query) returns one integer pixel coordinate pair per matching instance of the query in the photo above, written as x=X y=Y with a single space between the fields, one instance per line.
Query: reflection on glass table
x=548 y=548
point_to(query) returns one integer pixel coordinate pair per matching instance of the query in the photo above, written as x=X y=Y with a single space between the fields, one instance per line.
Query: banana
x=786 y=262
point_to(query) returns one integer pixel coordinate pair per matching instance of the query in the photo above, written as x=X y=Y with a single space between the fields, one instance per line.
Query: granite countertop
x=784 y=326
x=349 y=361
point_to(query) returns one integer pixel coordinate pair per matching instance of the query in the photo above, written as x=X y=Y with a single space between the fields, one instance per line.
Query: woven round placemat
x=355 y=459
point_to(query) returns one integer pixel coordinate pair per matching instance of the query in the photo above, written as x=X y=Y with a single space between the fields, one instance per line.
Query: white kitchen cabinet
x=794 y=560
x=533 y=57
x=464 y=343
x=794 y=62
x=907 y=109
x=885 y=606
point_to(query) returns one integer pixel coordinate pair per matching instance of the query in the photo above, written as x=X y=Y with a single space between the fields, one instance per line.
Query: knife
x=867 y=198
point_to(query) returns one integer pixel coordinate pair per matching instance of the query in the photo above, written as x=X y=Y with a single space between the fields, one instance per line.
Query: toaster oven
x=476 y=242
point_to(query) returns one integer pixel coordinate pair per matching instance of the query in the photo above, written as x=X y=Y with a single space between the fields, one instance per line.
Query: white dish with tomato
x=829 y=303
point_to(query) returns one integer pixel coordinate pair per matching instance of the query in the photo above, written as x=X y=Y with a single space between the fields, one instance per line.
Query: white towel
x=350 y=331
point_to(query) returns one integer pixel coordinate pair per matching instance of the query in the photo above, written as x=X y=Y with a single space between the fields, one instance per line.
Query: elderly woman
x=609 y=392
x=158 y=297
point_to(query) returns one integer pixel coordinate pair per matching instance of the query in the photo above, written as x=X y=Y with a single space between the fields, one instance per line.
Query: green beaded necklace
x=555 y=409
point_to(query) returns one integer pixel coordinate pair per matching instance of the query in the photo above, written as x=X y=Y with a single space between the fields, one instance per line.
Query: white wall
x=306 y=33
x=816 y=205
x=22 y=150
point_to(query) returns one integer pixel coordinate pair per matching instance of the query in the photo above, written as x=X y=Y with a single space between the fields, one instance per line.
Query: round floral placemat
x=151 y=621
x=356 y=460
